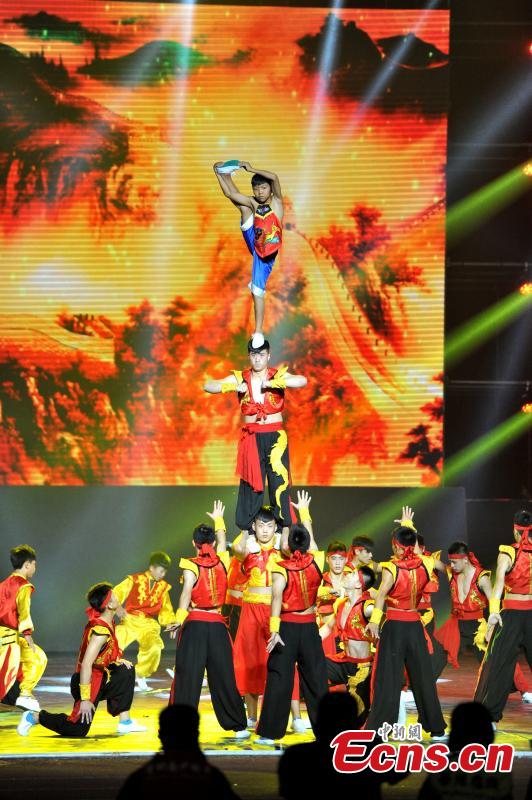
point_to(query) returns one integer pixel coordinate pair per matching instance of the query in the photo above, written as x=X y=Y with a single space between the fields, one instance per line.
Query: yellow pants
x=145 y=631
x=33 y=664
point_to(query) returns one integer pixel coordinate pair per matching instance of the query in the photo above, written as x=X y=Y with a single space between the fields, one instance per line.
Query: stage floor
x=118 y=755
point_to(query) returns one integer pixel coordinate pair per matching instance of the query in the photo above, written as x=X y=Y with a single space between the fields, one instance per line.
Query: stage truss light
x=526 y=400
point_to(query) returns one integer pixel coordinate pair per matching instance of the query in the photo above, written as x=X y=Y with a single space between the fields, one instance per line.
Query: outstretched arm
x=230 y=190
x=217 y=516
x=229 y=384
x=276 y=184
x=284 y=380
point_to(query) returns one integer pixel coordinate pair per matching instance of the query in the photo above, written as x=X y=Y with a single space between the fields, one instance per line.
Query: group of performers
x=265 y=620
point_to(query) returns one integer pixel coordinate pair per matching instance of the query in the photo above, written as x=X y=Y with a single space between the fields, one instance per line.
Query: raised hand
x=217 y=511
x=407 y=515
x=303 y=500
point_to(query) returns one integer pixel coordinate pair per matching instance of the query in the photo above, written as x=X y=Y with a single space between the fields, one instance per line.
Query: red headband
x=523 y=527
x=342 y=553
x=408 y=550
x=471 y=556
x=94 y=613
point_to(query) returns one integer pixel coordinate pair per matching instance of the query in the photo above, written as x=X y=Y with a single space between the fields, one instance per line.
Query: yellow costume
x=148 y=606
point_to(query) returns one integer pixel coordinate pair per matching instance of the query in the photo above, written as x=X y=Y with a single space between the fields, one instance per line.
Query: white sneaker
x=263 y=740
x=408 y=697
x=298 y=726
x=142 y=685
x=494 y=726
x=526 y=697
x=251 y=723
x=27 y=721
x=401 y=719
x=28 y=702
x=257 y=340
x=245 y=734
x=443 y=738
x=171 y=673
x=130 y=726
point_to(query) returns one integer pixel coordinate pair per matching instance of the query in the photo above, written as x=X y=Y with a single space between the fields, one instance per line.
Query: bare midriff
x=271 y=418
x=358 y=649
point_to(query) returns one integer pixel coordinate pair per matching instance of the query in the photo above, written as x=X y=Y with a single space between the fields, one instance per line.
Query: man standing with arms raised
x=263 y=446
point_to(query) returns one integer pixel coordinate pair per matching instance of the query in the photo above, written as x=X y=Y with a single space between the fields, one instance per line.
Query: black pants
x=357 y=678
x=206 y=645
x=118 y=691
x=275 y=465
x=11 y=697
x=468 y=629
x=496 y=679
x=302 y=646
x=232 y=613
x=403 y=644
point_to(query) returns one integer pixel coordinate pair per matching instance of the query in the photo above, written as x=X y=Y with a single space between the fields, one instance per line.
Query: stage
x=40 y=759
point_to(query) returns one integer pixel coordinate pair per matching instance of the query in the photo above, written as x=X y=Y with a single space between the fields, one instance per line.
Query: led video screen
x=124 y=270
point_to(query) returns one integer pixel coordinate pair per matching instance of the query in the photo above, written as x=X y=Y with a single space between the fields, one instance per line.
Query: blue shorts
x=261 y=267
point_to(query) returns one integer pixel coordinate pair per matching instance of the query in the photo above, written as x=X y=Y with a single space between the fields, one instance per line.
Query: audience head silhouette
x=470 y=723
x=179 y=728
x=337 y=712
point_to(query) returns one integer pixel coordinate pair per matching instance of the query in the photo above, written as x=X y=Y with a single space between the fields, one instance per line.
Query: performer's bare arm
x=292 y=381
x=372 y=628
x=278 y=585
x=218 y=512
x=303 y=501
x=271 y=176
x=242 y=201
x=240 y=545
x=327 y=627
x=503 y=565
x=189 y=579
x=217 y=387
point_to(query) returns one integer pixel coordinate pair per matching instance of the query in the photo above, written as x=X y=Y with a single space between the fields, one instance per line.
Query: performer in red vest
x=261 y=226
x=204 y=642
x=294 y=637
x=101 y=674
x=403 y=642
x=145 y=605
x=511 y=627
x=332 y=587
x=352 y=666
x=470 y=588
x=263 y=447
x=22 y=662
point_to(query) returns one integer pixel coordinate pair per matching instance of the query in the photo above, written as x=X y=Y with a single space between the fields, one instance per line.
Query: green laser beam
x=482 y=327
x=467 y=214
x=375 y=520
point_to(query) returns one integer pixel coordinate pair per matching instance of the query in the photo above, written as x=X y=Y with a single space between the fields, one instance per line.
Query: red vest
x=142 y=600
x=325 y=606
x=410 y=582
x=475 y=601
x=8 y=600
x=236 y=579
x=519 y=578
x=273 y=398
x=303 y=581
x=268 y=231
x=109 y=654
x=432 y=586
x=355 y=623
x=255 y=563
x=211 y=586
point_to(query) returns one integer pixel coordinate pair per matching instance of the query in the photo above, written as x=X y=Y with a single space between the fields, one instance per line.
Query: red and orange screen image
x=124 y=270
